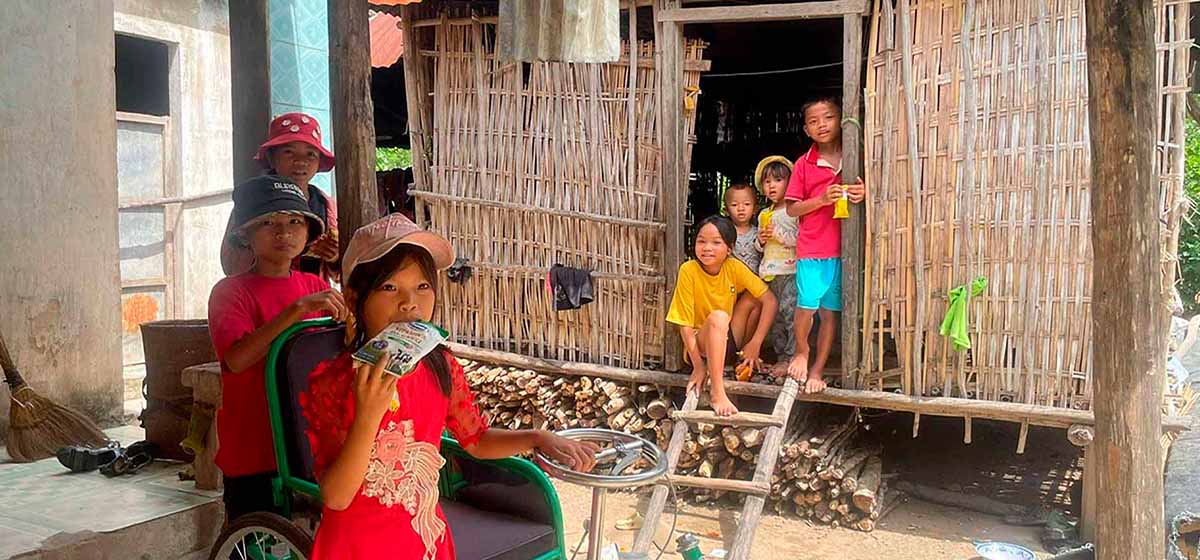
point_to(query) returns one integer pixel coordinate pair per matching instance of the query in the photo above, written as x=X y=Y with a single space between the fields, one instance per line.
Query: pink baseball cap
x=378 y=238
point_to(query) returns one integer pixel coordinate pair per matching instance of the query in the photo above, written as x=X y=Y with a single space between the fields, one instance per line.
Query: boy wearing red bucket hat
x=293 y=149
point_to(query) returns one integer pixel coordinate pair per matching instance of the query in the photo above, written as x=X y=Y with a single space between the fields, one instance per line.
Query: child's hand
x=578 y=455
x=697 y=379
x=856 y=191
x=832 y=194
x=750 y=357
x=764 y=234
x=329 y=301
x=325 y=248
x=374 y=389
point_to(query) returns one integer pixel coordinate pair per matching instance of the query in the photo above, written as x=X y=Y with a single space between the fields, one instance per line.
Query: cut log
x=658 y=409
x=731 y=439
x=854 y=461
x=751 y=437
x=868 y=484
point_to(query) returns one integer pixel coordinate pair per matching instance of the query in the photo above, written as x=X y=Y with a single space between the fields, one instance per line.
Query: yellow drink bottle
x=764 y=222
x=841 y=208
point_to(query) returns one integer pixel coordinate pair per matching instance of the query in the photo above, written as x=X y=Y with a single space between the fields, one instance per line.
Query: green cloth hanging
x=955 y=324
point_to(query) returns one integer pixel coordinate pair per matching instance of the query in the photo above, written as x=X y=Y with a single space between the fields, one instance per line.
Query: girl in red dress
x=377 y=464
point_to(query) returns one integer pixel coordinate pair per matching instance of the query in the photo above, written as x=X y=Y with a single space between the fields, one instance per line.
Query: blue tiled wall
x=300 y=65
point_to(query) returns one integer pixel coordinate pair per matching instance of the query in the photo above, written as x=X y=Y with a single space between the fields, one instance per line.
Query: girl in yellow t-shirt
x=715 y=324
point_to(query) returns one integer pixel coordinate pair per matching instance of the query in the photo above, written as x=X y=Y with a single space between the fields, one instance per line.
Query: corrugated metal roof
x=387 y=43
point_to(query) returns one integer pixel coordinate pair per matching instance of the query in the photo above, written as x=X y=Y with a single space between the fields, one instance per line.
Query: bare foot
x=779 y=370
x=815 y=384
x=722 y=405
x=798 y=368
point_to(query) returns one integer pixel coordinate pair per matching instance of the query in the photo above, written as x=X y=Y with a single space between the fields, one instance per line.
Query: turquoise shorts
x=819 y=284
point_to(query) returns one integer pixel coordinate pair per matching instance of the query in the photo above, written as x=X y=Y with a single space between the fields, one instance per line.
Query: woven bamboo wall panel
x=1004 y=156
x=538 y=164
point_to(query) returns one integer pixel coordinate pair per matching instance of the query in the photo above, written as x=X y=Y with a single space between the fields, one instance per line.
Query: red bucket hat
x=295 y=127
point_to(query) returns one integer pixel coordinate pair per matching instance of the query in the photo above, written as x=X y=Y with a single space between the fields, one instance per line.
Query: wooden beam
x=669 y=50
x=853 y=228
x=764 y=12
x=353 y=116
x=1037 y=415
x=743 y=486
x=740 y=420
x=1129 y=307
x=658 y=497
x=250 y=80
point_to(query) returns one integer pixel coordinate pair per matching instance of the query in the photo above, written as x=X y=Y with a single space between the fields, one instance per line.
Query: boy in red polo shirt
x=245 y=313
x=812 y=190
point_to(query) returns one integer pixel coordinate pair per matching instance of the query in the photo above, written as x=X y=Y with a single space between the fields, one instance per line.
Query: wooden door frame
x=670 y=17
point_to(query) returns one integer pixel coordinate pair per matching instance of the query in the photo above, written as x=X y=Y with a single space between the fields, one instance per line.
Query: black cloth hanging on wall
x=572 y=287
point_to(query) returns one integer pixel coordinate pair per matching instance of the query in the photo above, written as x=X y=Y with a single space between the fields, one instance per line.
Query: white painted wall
x=201 y=117
x=59 y=306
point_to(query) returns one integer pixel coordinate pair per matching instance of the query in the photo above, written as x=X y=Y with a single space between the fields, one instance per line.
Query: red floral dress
x=396 y=513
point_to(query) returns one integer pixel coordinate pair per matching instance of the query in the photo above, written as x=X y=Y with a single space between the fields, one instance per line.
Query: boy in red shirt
x=245 y=313
x=811 y=193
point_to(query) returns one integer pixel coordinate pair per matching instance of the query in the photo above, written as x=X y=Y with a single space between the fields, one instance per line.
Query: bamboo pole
x=918 y=224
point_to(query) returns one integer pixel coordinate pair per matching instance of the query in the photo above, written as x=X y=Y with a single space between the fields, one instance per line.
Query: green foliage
x=387 y=159
x=1189 y=235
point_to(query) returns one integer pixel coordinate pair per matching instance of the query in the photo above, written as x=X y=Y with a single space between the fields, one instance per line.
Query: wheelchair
x=508 y=507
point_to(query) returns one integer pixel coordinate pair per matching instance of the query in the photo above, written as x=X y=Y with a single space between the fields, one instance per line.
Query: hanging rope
x=770 y=72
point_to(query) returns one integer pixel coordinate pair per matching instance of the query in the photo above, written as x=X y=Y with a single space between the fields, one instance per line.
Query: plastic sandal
x=634 y=521
x=81 y=458
x=131 y=459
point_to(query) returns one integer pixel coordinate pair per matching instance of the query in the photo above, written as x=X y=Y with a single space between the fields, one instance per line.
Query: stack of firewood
x=521 y=399
x=831 y=473
x=829 y=470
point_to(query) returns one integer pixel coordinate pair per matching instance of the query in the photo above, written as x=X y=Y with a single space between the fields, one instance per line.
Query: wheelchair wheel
x=262 y=536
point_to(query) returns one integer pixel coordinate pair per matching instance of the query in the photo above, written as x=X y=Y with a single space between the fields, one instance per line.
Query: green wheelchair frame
x=450 y=481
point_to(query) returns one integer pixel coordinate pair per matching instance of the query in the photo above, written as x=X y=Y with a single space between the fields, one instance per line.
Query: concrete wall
x=198 y=31
x=59 y=304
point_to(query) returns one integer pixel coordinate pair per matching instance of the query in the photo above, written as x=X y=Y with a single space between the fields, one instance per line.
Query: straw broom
x=37 y=426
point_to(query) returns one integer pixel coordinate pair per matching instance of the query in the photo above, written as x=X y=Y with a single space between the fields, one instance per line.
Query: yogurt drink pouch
x=407 y=343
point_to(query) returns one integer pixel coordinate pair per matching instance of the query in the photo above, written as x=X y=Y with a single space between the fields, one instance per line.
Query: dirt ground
x=914 y=530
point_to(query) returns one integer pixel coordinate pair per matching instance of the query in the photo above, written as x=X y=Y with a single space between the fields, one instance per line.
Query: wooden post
x=1083 y=436
x=353 y=116
x=854 y=227
x=250 y=80
x=669 y=49
x=1129 y=314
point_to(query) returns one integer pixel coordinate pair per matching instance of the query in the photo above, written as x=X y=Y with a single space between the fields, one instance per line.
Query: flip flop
x=81 y=458
x=634 y=521
x=131 y=459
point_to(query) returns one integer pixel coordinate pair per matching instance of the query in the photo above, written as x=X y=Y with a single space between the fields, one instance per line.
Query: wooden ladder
x=756 y=489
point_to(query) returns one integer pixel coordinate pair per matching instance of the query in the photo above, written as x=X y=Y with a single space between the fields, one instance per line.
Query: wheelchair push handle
x=611 y=453
x=621 y=450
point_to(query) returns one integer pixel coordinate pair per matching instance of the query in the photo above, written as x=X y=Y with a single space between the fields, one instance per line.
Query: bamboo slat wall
x=529 y=167
x=1004 y=173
